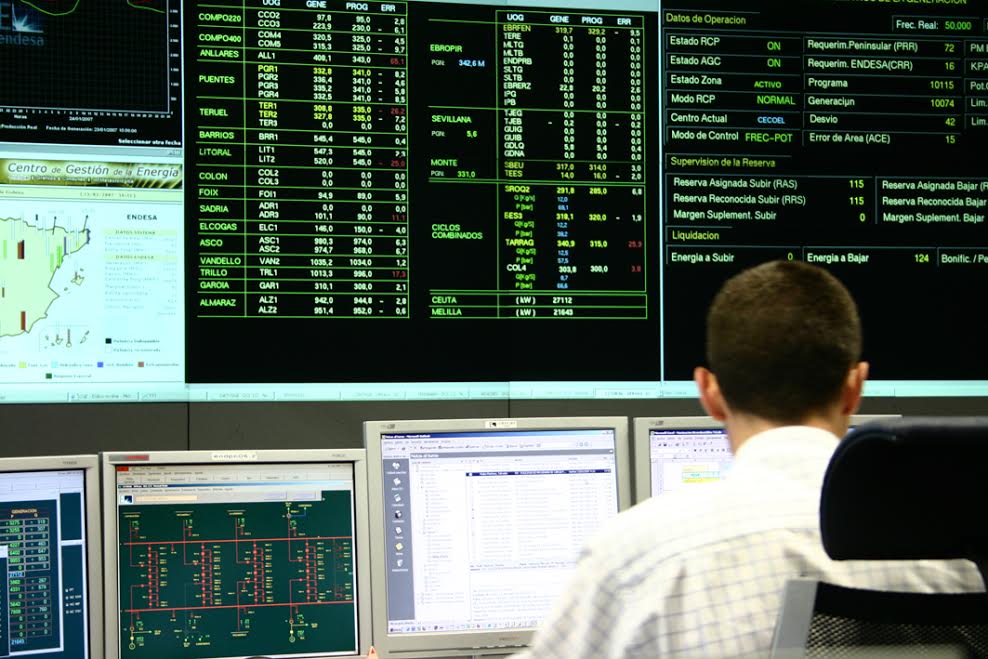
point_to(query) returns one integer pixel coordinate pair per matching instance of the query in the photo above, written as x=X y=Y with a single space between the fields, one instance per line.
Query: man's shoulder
x=661 y=526
x=666 y=528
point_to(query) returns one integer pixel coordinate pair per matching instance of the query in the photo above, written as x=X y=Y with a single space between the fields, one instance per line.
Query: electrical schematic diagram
x=230 y=579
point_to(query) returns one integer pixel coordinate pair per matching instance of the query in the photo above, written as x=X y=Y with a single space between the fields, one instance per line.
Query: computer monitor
x=477 y=524
x=51 y=597
x=217 y=554
x=671 y=453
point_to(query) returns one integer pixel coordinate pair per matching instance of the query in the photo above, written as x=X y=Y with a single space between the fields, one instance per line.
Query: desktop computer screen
x=671 y=453
x=676 y=452
x=216 y=555
x=50 y=587
x=476 y=525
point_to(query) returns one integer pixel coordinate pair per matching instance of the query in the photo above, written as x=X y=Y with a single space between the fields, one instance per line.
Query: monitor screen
x=214 y=179
x=481 y=523
x=687 y=456
x=673 y=453
x=233 y=555
x=50 y=591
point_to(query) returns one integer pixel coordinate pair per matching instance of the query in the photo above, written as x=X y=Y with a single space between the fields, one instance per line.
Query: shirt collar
x=786 y=441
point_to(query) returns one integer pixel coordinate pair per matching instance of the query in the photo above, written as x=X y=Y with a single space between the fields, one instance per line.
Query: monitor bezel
x=357 y=457
x=474 y=643
x=90 y=466
x=643 y=425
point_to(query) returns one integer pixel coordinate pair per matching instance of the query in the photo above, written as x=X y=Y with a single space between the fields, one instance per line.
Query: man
x=700 y=572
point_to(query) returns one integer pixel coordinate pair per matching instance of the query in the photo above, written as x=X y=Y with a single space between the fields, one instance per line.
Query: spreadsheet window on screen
x=689 y=451
x=218 y=561
x=43 y=565
x=680 y=458
x=461 y=511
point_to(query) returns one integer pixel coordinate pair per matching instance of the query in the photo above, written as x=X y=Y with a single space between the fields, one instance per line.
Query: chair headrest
x=908 y=488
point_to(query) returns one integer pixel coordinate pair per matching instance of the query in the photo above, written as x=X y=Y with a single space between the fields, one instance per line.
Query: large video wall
x=290 y=200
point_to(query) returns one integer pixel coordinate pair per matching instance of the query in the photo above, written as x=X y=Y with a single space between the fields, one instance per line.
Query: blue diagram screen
x=43 y=565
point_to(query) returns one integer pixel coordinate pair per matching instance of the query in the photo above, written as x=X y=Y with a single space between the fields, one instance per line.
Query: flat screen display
x=483 y=528
x=233 y=560
x=281 y=200
x=678 y=453
x=44 y=558
x=477 y=524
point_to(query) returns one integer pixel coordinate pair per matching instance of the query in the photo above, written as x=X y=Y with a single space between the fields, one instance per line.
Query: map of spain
x=29 y=258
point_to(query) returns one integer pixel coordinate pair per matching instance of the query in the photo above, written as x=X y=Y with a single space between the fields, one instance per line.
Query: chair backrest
x=908 y=488
x=897 y=489
x=824 y=620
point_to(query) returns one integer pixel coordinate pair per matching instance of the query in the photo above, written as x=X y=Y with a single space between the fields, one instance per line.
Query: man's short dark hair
x=781 y=339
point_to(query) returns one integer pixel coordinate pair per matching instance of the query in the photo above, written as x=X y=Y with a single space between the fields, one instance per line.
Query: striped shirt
x=699 y=572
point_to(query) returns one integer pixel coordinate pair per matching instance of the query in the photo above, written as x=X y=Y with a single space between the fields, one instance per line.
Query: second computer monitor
x=51 y=601
x=477 y=524
x=671 y=453
x=216 y=555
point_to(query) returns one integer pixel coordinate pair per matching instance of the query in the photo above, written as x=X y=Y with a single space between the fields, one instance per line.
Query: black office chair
x=897 y=489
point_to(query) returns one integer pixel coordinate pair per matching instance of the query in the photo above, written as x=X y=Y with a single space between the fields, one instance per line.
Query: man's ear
x=853 y=388
x=710 y=396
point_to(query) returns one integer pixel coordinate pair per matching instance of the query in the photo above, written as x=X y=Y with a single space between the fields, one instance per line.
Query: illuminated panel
x=839 y=134
x=236 y=560
x=391 y=171
x=43 y=598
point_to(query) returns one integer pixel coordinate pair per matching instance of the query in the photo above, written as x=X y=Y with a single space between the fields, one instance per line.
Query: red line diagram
x=186 y=584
